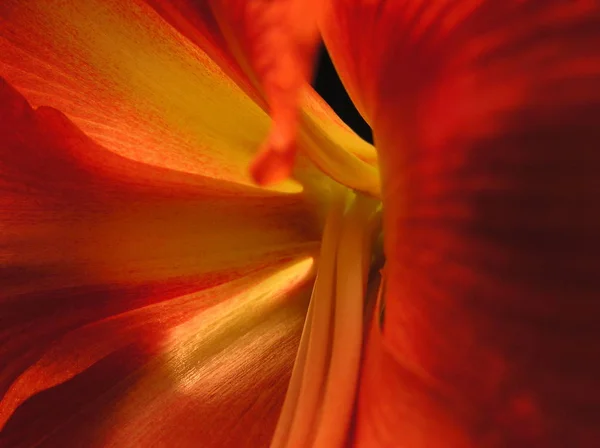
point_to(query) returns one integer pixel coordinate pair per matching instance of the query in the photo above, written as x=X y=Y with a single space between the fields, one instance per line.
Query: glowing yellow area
x=304 y=392
x=135 y=85
x=247 y=334
x=336 y=149
x=206 y=352
x=334 y=157
x=138 y=87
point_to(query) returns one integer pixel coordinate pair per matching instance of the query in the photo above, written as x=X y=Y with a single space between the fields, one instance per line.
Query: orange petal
x=131 y=81
x=196 y=21
x=210 y=370
x=486 y=118
x=125 y=220
x=98 y=250
x=275 y=43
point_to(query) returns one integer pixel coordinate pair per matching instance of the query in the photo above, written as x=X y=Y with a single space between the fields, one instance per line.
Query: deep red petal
x=486 y=117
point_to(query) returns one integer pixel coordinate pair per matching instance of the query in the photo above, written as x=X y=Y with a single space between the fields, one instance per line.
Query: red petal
x=216 y=371
x=99 y=251
x=486 y=116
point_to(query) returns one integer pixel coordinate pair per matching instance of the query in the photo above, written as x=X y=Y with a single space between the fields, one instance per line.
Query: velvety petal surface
x=102 y=256
x=486 y=117
x=129 y=80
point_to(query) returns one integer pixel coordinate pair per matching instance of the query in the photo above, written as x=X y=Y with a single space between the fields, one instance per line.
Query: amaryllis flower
x=172 y=193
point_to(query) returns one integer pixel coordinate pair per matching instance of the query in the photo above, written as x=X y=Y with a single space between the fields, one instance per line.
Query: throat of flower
x=319 y=403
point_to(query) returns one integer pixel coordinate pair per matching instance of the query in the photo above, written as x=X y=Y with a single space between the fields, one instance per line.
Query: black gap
x=329 y=86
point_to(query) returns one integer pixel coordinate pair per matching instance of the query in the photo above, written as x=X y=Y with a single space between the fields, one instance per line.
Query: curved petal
x=486 y=118
x=133 y=83
x=211 y=380
x=196 y=21
x=99 y=248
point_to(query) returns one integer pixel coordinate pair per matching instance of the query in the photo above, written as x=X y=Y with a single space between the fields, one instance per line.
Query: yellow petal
x=133 y=83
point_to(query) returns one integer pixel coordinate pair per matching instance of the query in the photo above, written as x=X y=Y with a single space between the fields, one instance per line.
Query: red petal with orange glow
x=486 y=117
x=103 y=256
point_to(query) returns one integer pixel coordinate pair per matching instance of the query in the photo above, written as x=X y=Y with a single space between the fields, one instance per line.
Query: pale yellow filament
x=298 y=408
x=318 y=407
x=338 y=163
x=351 y=281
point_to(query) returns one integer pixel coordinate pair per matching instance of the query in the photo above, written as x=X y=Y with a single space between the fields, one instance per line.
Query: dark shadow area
x=329 y=86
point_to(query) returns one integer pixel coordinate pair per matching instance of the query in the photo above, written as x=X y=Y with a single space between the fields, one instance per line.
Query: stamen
x=351 y=281
x=319 y=402
x=293 y=392
x=313 y=381
x=302 y=397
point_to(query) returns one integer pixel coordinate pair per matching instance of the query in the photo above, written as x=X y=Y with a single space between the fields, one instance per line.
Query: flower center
x=318 y=406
